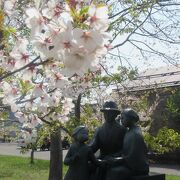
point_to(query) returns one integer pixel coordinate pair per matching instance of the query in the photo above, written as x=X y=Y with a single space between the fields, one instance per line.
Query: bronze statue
x=108 y=139
x=122 y=149
x=78 y=156
x=134 y=161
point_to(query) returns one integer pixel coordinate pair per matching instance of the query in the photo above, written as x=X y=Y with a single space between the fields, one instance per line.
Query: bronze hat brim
x=110 y=109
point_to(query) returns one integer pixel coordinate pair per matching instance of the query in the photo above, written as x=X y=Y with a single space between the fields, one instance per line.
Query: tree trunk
x=32 y=156
x=56 y=165
x=78 y=108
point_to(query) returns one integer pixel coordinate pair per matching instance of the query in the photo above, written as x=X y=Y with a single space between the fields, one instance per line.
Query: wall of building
x=152 y=107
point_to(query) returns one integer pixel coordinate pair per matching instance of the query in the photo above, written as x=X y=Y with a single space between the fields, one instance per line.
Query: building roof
x=167 y=76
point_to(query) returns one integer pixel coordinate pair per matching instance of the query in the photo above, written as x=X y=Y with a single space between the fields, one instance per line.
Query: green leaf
x=25 y=86
x=84 y=10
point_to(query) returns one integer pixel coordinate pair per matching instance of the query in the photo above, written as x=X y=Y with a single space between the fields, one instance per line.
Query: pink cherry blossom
x=89 y=39
x=29 y=73
x=78 y=61
x=9 y=5
x=29 y=135
x=67 y=105
x=43 y=45
x=98 y=19
x=38 y=90
x=53 y=10
x=34 y=120
x=69 y=50
x=64 y=40
x=45 y=99
x=19 y=55
x=8 y=63
x=60 y=81
x=21 y=117
x=35 y=21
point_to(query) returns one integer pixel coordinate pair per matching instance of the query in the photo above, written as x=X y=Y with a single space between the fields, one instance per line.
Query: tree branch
x=133 y=30
x=20 y=69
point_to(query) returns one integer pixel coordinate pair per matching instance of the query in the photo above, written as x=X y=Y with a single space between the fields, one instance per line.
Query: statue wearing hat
x=108 y=139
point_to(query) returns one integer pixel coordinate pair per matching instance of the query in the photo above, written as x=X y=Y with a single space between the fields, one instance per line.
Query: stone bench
x=151 y=176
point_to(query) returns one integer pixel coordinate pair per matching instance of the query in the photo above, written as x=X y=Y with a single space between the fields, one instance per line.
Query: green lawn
x=172 y=177
x=17 y=168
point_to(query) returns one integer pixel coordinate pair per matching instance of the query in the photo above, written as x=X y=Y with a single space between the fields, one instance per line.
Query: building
x=160 y=89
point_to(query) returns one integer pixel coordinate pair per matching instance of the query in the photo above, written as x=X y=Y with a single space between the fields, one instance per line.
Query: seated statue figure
x=134 y=154
x=78 y=156
x=108 y=140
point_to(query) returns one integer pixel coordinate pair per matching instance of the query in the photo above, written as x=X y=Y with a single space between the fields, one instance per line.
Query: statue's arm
x=92 y=157
x=133 y=146
x=94 y=160
x=114 y=161
x=118 y=154
x=70 y=157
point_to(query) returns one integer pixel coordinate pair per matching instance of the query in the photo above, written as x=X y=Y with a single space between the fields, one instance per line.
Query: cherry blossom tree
x=43 y=70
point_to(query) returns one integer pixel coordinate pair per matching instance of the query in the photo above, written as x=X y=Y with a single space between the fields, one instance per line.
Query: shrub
x=167 y=140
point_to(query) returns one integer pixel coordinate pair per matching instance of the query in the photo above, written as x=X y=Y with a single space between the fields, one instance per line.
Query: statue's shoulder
x=99 y=128
x=135 y=133
x=73 y=146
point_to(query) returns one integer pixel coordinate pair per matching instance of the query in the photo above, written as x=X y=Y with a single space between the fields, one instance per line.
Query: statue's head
x=110 y=110
x=80 y=134
x=129 y=117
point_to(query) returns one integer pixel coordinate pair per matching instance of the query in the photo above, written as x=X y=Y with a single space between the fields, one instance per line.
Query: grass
x=168 y=177
x=18 y=168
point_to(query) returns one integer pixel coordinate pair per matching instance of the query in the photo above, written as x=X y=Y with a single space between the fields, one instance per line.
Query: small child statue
x=78 y=156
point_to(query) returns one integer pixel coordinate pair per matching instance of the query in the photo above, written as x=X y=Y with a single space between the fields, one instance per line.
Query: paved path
x=12 y=149
x=166 y=169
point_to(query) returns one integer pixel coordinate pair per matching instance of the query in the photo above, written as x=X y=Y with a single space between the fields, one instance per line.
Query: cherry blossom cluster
x=66 y=40
x=72 y=34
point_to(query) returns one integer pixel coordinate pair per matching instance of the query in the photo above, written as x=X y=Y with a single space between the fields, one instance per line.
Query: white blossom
x=35 y=21
x=53 y=10
x=43 y=45
x=67 y=106
x=20 y=54
x=98 y=19
x=69 y=50
x=89 y=39
x=38 y=90
x=29 y=73
x=9 y=5
x=21 y=117
x=78 y=61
